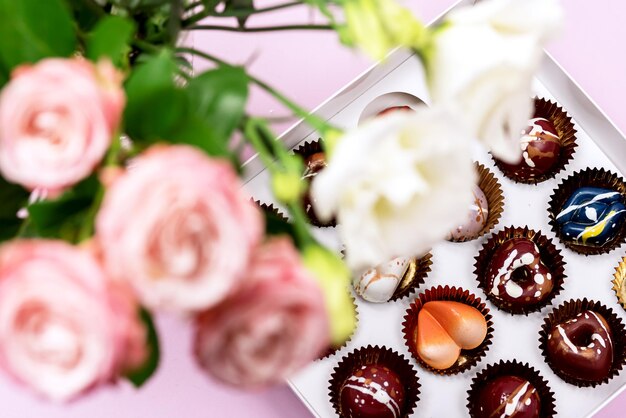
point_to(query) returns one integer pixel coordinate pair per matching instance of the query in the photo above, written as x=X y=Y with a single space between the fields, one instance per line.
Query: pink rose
x=64 y=327
x=57 y=118
x=178 y=226
x=272 y=327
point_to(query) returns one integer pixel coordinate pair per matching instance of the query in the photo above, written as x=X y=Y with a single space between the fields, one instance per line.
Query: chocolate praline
x=592 y=216
x=516 y=276
x=509 y=397
x=581 y=348
x=477 y=214
x=394 y=109
x=314 y=164
x=372 y=390
x=541 y=147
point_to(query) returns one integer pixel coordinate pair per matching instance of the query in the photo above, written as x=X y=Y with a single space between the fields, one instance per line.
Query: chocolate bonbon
x=444 y=328
x=592 y=216
x=508 y=397
x=581 y=347
x=373 y=390
x=379 y=284
x=540 y=146
x=516 y=275
x=477 y=216
x=447 y=330
x=374 y=382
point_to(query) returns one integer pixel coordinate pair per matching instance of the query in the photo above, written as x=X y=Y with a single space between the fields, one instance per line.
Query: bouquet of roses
x=121 y=192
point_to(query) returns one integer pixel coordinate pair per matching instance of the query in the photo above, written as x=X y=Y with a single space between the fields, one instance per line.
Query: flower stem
x=259 y=29
x=316 y=122
x=232 y=13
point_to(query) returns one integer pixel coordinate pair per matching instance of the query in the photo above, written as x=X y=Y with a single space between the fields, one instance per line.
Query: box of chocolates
x=521 y=312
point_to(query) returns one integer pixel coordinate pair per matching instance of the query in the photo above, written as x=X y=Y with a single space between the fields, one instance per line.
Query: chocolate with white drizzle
x=516 y=276
x=379 y=284
x=508 y=397
x=372 y=390
x=541 y=147
x=582 y=347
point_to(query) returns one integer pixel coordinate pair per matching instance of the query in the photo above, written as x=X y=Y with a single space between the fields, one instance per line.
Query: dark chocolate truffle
x=592 y=216
x=540 y=146
x=371 y=391
x=582 y=348
x=508 y=397
x=314 y=164
x=516 y=275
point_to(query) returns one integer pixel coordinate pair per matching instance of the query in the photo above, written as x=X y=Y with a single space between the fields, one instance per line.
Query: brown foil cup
x=512 y=368
x=271 y=210
x=333 y=349
x=492 y=189
x=567 y=135
x=305 y=150
x=590 y=177
x=468 y=358
x=375 y=355
x=619 y=282
x=569 y=310
x=550 y=256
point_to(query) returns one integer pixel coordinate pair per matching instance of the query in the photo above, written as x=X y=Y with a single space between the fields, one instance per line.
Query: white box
x=600 y=144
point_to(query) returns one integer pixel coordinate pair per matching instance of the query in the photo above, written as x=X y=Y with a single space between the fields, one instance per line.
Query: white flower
x=397 y=184
x=483 y=61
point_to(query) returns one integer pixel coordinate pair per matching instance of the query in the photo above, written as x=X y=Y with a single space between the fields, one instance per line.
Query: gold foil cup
x=619 y=282
x=569 y=310
x=305 y=150
x=512 y=368
x=549 y=254
x=375 y=355
x=468 y=358
x=492 y=189
x=590 y=177
x=567 y=136
x=333 y=349
x=414 y=277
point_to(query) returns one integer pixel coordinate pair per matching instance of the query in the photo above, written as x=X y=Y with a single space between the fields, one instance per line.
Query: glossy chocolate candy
x=592 y=216
x=372 y=390
x=516 y=275
x=582 y=347
x=508 y=397
x=314 y=164
x=541 y=147
x=379 y=284
x=476 y=217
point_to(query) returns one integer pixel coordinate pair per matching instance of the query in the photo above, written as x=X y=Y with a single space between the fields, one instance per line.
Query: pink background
x=310 y=66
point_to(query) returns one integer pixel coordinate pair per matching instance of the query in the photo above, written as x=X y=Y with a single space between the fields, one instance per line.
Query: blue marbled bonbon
x=578 y=223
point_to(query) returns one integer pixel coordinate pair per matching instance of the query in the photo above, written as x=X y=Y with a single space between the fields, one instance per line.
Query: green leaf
x=218 y=98
x=33 y=29
x=142 y=374
x=155 y=107
x=86 y=13
x=13 y=198
x=63 y=217
x=111 y=38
